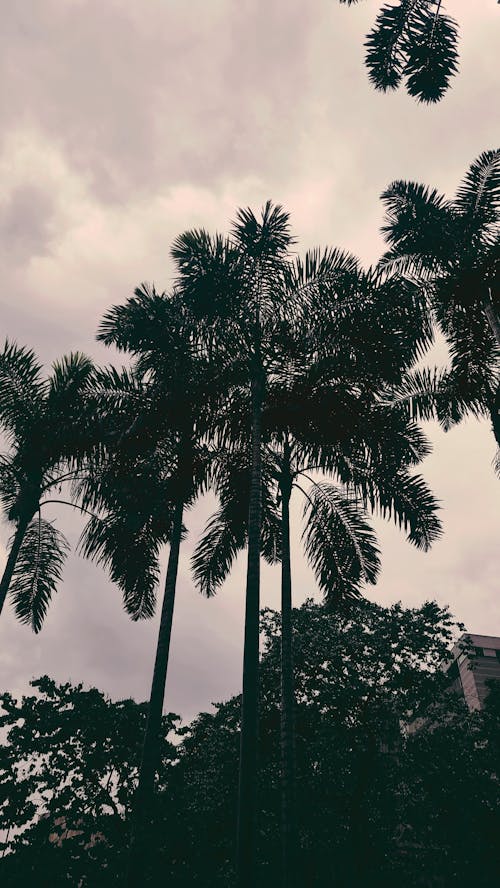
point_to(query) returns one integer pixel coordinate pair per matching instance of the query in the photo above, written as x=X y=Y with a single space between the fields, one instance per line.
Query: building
x=476 y=660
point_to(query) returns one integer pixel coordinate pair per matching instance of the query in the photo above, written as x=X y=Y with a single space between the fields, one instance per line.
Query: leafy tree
x=324 y=413
x=258 y=302
x=453 y=248
x=69 y=764
x=374 y=802
x=43 y=420
x=415 y=41
x=147 y=482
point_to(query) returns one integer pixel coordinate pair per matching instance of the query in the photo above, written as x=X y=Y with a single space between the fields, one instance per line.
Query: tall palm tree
x=246 y=290
x=318 y=410
x=452 y=248
x=146 y=483
x=372 y=472
x=416 y=40
x=43 y=419
x=234 y=284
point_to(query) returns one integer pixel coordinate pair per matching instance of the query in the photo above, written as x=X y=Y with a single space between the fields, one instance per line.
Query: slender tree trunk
x=492 y=318
x=151 y=746
x=248 y=773
x=288 y=806
x=12 y=559
x=494 y=322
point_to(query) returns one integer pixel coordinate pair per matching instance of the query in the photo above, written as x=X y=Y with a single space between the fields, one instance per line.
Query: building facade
x=476 y=660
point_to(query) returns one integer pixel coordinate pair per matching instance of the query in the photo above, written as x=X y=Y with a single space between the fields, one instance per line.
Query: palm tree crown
x=48 y=437
x=452 y=247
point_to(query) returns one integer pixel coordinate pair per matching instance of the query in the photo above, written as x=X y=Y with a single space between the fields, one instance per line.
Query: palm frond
x=496 y=462
x=419 y=393
x=339 y=543
x=495 y=414
x=478 y=196
x=129 y=551
x=430 y=43
x=266 y=238
x=37 y=572
x=415 y=40
x=419 y=222
x=224 y=536
x=210 y=274
x=226 y=531
x=385 y=58
x=147 y=320
x=410 y=503
x=22 y=389
x=9 y=483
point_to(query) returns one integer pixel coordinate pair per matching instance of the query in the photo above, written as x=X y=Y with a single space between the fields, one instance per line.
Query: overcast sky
x=124 y=123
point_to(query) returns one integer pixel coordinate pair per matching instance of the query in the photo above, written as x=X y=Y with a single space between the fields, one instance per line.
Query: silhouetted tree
x=325 y=414
x=453 y=248
x=145 y=486
x=44 y=423
x=374 y=803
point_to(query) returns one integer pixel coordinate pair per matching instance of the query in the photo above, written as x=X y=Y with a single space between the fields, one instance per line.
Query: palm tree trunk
x=12 y=559
x=492 y=318
x=493 y=321
x=151 y=746
x=248 y=771
x=288 y=810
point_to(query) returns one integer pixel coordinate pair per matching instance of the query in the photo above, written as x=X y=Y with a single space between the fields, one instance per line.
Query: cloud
x=123 y=124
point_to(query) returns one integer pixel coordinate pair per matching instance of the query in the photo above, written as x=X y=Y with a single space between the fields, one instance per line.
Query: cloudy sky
x=124 y=123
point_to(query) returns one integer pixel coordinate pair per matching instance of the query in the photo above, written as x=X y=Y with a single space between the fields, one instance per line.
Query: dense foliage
x=375 y=803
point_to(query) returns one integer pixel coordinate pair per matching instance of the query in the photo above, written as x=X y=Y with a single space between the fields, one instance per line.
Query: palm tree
x=452 y=247
x=246 y=291
x=412 y=39
x=147 y=481
x=44 y=422
x=322 y=413
x=235 y=285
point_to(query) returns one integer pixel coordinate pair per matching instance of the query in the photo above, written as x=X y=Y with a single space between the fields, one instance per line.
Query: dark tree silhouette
x=147 y=482
x=325 y=413
x=452 y=247
x=44 y=423
x=235 y=284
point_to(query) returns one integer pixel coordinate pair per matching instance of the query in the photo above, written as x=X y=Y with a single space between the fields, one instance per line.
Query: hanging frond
x=385 y=58
x=412 y=39
x=430 y=43
x=217 y=549
x=37 y=571
x=68 y=416
x=410 y=503
x=130 y=552
x=339 y=543
x=226 y=531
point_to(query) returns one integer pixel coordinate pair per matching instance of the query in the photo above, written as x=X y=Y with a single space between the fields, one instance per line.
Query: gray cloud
x=123 y=124
x=25 y=224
